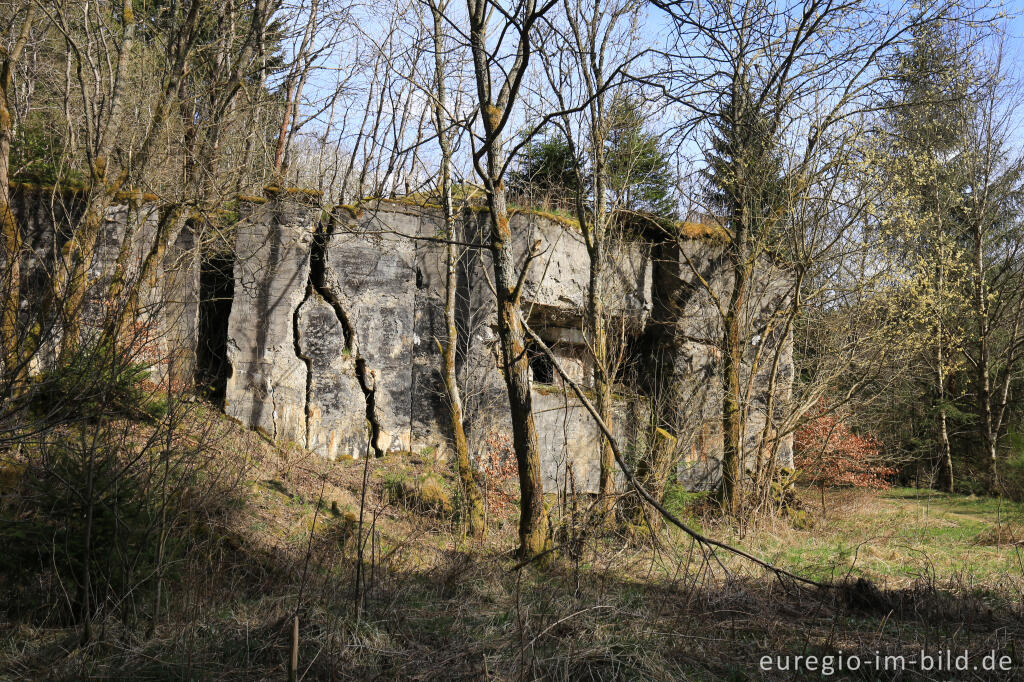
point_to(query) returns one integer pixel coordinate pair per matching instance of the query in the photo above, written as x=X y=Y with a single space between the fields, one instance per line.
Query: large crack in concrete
x=306 y=360
x=365 y=376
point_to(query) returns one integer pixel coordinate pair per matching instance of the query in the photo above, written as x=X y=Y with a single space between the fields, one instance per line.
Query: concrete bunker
x=321 y=329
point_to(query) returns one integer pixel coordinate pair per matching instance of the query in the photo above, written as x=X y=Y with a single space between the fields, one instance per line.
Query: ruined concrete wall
x=559 y=276
x=335 y=329
x=368 y=276
x=335 y=324
x=570 y=444
x=320 y=338
x=554 y=298
x=267 y=386
x=684 y=342
x=164 y=331
x=177 y=307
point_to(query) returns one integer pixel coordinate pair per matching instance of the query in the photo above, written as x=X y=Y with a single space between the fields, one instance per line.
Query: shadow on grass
x=467 y=617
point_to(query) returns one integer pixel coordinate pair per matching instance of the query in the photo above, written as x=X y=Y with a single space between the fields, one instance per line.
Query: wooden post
x=293 y=666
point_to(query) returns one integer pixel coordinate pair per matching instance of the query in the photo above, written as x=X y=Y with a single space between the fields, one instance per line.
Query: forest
x=828 y=199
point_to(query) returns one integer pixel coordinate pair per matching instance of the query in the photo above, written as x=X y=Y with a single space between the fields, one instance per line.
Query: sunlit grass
x=893 y=537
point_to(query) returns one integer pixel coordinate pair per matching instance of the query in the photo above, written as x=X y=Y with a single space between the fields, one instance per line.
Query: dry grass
x=437 y=607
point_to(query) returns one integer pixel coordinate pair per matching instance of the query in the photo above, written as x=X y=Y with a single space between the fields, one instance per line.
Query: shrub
x=829 y=454
x=97 y=514
x=96 y=381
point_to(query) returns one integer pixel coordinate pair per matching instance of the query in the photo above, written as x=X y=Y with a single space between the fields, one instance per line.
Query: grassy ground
x=895 y=537
x=433 y=605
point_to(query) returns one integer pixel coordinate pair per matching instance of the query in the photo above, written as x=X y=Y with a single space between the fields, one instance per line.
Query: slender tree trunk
x=597 y=320
x=76 y=255
x=10 y=233
x=71 y=285
x=594 y=233
x=533 y=530
x=732 y=408
x=533 y=521
x=534 y=536
x=946 y=464
x=602 y=383
x=474 y=502
x=983 y=377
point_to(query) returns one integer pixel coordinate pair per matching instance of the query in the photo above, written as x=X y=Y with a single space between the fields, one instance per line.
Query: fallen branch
x=669 y=516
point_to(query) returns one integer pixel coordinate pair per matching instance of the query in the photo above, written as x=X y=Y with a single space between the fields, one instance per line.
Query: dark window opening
x=540 y=365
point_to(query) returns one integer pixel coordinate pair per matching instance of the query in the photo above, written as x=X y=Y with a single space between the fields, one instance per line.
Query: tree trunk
x=985 y=424
x=474 y=502
x=596 y=320
x=946 y=464
x=732 y=408
x=76 y=255
x=10 y=233
x=602 y=384
x=533 y=530
x=69 y=290
x=534 y=536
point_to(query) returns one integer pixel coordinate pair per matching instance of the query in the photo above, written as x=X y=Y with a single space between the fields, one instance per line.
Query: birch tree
x=10 y=233
x=992 y=215
x=445 y=130
x=588 y=76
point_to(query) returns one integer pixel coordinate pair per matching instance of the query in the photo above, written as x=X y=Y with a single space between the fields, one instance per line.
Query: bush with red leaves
x=496 y=466
x=829 y=454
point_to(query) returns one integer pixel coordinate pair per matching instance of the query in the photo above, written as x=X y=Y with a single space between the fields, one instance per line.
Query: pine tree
x=640 y=173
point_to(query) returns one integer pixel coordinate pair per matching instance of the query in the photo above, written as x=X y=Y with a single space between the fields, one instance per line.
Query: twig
x=671 y=518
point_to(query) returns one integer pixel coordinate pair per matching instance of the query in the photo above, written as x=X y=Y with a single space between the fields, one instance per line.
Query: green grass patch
x=894 y=536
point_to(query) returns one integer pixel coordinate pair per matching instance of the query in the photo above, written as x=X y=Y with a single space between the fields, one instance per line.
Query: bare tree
x=444 y=128
x=587 y=78
x=993 y=198
x=10 y=233
x=778 y=92
x=496 y=99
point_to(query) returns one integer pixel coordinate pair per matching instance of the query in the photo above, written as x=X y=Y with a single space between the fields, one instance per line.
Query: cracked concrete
x=336 y=426
x=334 y=331
x=319 y=356
x=334 y=408
x=267 y=386
x=332 y=337
x=369 y=278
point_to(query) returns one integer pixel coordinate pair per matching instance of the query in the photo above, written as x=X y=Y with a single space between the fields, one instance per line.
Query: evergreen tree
x=640 y=174
x=547 y=171
x=746 y=191
x=745 y=179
